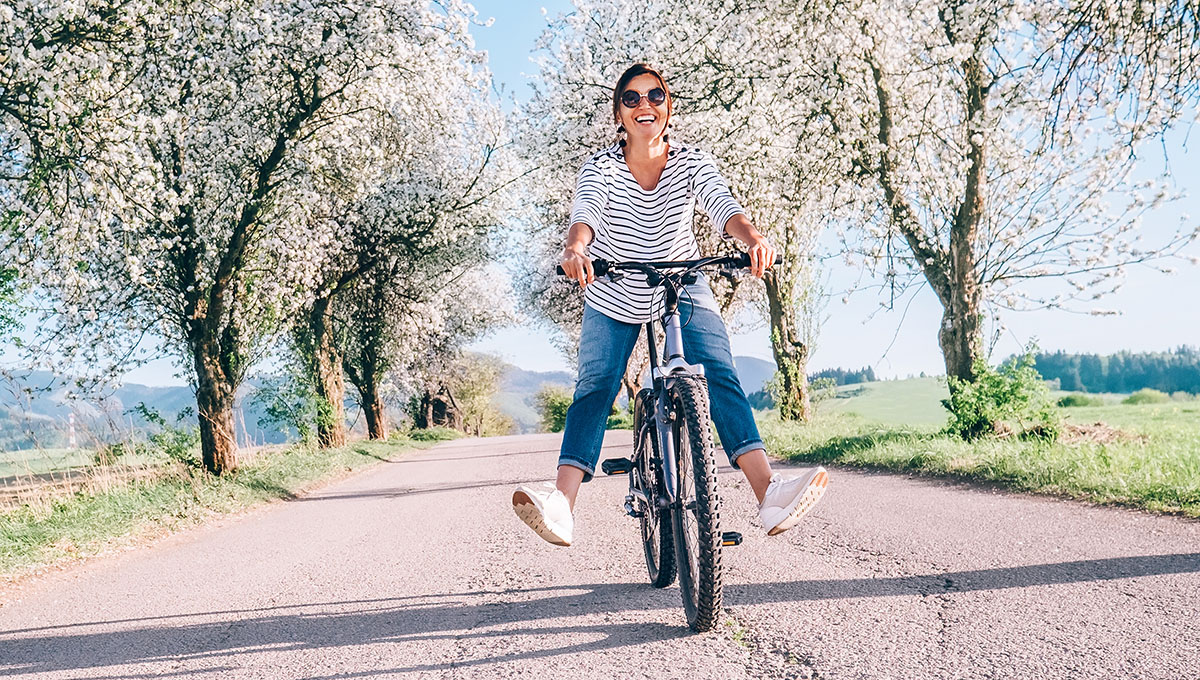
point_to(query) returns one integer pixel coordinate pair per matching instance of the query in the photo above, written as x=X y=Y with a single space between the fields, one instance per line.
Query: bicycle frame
x=663 y=375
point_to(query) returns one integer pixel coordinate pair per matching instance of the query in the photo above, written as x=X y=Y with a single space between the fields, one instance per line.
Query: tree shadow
x=620 y=448
x=400 y=492
x=543 y=612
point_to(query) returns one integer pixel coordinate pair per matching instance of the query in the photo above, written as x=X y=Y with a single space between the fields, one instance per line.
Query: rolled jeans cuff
x=749 y=446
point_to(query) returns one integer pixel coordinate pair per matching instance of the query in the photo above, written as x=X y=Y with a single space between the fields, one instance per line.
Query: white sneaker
x=546 y=510
x=787 y=500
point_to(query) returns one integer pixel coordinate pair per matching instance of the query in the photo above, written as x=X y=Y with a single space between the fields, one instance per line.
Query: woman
x=634 y=202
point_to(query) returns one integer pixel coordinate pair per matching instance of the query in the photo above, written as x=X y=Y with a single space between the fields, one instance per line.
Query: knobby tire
x=697 y=527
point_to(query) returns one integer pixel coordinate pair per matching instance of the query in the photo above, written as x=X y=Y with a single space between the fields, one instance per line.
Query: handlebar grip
x=743 y=260
x=599 y=268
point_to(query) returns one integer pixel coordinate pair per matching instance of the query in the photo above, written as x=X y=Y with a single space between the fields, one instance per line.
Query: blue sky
x=1157 y=309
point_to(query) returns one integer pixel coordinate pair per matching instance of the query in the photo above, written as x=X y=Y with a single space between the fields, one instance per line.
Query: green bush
x=289 y=404
x=1011 y=400
x=1072 y=400
x=552 y=402
x=176 y=442
x=434 y=434
x=821 y=389
x=620 y=419
x=1147 y=396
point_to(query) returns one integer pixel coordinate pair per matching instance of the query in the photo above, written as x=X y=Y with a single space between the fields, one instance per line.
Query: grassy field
x=916 y=401
x=40 y=461
x=83 y=524
x=1147 y=456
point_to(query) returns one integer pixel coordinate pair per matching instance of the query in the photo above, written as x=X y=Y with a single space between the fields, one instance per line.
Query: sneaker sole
x=531 y=516
x=816 y=489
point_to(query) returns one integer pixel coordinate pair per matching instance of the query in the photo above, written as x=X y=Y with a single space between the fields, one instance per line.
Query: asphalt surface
x=419 y=568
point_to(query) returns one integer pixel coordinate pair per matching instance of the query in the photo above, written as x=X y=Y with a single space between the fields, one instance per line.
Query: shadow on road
x=402 y=491
x=481 y=615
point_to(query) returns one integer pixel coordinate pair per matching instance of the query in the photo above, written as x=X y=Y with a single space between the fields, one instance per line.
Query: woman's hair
x=631 y=73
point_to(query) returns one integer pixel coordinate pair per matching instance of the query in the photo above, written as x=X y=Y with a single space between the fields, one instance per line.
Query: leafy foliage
x=1073 y=400
x=823 y=388
x=9 y=295
x=1147 y=396
x=1011 y=400
x=173 y=440
x=289 y=404
x=434 y=434
x=552 y=402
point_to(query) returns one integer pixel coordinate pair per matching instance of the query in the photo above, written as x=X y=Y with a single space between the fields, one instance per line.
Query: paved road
x=418 y=568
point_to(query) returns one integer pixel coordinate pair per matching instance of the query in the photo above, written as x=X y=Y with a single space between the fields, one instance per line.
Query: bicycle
x=672 y=472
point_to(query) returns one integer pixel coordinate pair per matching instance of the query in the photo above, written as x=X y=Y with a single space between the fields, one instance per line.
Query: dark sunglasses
x=631 y=98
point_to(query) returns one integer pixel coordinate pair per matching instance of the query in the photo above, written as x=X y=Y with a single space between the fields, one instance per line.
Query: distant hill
x=753 y=373
x=517 y=389
x=36 y=406
x=34 y=410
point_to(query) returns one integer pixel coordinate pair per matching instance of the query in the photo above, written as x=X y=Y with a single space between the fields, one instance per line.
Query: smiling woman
x=635 y=202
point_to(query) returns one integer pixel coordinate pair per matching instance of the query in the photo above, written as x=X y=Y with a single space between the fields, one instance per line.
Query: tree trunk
x=214 y=406
x=632 y=378
x=437 y=409
x=951 y=272
x=325 y=367
x=373 y=410
x=791 y=355
x=960 y=336
x=961 y=333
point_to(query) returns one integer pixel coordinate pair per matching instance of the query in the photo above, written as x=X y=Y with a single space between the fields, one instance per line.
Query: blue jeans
x=604 y=348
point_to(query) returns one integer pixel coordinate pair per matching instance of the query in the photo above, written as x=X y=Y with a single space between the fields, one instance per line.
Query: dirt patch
x=1096 y=433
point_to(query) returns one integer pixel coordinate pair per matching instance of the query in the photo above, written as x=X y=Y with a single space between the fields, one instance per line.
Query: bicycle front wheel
x=696 y=517
x=658 y=542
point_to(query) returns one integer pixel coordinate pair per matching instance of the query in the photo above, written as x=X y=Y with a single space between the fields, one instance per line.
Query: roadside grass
x=84 y=524
x=1156 y=466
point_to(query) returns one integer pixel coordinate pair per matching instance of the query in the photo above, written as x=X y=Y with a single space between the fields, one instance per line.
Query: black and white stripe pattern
x=632 y=224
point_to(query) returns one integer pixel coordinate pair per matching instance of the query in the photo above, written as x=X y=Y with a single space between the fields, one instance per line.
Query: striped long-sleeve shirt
x=632 y=224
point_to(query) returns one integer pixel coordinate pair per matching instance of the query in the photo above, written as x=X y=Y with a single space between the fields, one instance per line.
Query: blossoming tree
x=1000 y=137
x=729 y=98
x=407 y=320
x=196 y=222
x=429 y=169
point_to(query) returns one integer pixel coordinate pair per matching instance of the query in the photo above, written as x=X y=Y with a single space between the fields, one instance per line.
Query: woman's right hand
x=577 y=266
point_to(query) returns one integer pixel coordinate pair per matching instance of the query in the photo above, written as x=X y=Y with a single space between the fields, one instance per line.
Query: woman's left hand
x=762 y=256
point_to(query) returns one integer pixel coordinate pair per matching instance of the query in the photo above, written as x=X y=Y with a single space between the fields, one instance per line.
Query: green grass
x=1156 y=468
x=916 y=401
x=85 y=524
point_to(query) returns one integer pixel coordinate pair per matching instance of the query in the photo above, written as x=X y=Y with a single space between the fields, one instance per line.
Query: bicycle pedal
x=617 y=466
x=731 y=538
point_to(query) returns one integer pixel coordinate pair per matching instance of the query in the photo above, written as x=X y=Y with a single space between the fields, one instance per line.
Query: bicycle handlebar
x=601 y=267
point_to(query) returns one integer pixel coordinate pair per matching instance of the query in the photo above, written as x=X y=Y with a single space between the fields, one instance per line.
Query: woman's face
x=645 y=121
